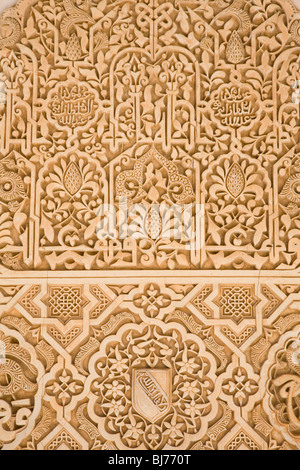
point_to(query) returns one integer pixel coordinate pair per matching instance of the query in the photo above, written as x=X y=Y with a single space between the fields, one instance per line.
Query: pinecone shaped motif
x=235 y=51
x=235 y=181
x=72 y=179
x=73 y=51
x=153 y=224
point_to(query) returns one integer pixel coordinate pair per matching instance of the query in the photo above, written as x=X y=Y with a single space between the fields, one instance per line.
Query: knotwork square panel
x=150 y=225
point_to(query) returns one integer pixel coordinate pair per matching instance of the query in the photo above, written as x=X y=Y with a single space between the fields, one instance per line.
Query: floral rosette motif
x=154 y=388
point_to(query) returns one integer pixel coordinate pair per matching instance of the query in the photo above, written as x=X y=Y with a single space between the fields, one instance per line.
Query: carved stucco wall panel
x=150 y=342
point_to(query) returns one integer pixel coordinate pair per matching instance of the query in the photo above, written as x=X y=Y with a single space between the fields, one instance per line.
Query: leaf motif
x=19 y=219
x=91 y=229
x=48 y=229
x=183 y=19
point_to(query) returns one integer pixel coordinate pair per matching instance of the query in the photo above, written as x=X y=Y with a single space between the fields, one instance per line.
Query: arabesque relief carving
x=149 y=225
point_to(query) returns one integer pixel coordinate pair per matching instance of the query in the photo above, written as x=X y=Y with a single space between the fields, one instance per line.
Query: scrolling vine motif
x=183 y=85
x=148 y=341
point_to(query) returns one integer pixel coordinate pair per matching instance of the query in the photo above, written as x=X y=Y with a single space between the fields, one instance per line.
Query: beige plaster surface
x=159 y=338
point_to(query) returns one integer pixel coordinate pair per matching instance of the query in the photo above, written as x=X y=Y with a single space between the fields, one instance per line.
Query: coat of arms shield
x=152 y=392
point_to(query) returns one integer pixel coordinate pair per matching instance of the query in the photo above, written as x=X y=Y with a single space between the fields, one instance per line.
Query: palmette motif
x=150 y=342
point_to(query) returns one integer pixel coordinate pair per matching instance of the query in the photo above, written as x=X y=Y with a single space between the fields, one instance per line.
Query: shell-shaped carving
x=72 y=179
x=207 y=43
x=15 y=32
x=295 y=31
x=235 y=180
x=293 y=356
x=291 y=189
x=102 y=40
x=235 y=51
x=11 y=187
